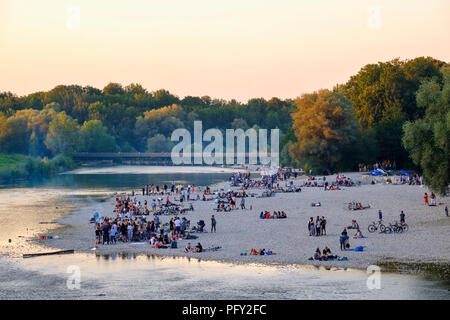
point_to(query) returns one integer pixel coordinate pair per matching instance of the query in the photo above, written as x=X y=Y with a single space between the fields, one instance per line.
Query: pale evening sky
x=221 y=48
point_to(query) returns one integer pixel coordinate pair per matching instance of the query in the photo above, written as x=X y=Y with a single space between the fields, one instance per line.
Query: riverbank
x=14 y=167
x=425 y=242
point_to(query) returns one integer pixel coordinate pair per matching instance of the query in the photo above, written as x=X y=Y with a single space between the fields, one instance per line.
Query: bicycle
x=393 y=228
x=404 y=226
x=375 y=226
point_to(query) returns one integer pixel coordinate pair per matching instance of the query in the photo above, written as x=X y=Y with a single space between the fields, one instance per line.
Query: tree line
x=395 y=110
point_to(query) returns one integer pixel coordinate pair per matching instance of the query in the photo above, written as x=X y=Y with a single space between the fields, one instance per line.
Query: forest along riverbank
x=240 y=230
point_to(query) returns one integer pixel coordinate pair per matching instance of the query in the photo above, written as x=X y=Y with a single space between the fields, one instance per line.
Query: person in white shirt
x=177 y=226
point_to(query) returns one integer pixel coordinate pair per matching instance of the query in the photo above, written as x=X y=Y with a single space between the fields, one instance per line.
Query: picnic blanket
x=360 y=248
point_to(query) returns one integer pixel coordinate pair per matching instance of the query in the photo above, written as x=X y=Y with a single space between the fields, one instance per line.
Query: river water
x=25 y=206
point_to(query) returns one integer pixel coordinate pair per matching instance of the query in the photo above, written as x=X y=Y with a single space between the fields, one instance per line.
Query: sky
x=230 y=49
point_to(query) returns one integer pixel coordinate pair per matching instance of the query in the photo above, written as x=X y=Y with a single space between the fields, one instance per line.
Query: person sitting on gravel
x=354 y=225
x=198 y=248
x=159 y=245
x=327 y=254
x=317 y=255
x=188 y=248
x=358 y=234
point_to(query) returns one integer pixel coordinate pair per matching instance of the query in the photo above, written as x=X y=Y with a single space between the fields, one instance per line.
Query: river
x=28 y=208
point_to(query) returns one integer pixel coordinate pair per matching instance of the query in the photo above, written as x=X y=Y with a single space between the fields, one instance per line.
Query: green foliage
x=95 y=138
x=128 y=118
x=15 y=166
x=63 y=135
x=428 y=139
x=383 y=98
x=323 y=125
x=159 y=143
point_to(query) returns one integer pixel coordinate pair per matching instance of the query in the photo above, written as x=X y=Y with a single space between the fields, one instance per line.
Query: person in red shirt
x=425 y=198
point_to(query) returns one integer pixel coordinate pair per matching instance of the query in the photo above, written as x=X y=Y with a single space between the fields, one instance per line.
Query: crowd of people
x=429 y=200
x=275 y=215
x=325 y=255
x=318 y=227
x=259 y=252
x=384 y=165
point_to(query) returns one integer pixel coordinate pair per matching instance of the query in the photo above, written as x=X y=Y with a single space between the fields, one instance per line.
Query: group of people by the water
x=137 y=228
x=152 y=189
x=226 y=201
x=324 y=255
x=384 y=165
x=258 y=252
x=429 y=200
x=318 y=227
x=275 y=215
x=355 y=205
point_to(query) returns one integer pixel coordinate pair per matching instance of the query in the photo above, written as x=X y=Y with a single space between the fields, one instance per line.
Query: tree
x=383 y=98
x=63 y=136
x=159 y=143
x=323 y=125
x=164 y=98
x=428 y=139
x=14 y=134
x=113 y=89
x=95 y=138
x=97 y=111
x=239 y=124
x=163 y=120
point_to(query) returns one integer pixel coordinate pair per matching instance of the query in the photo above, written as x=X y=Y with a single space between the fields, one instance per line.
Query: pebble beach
x=238 y=231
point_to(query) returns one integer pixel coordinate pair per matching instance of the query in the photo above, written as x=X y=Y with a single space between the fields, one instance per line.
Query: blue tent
x=404 y=172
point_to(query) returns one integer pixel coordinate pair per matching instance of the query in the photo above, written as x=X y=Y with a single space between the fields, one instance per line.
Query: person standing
x=425 y=198
x=323 y=226
x=343 y=240
x=446 y=211
x=105 y=232
x=402 y=217
x=171 y=227
x=177 y=224
x=380 y=216
x=243 y=203
x=213 y=224
x=311 y=227
x=318 y=226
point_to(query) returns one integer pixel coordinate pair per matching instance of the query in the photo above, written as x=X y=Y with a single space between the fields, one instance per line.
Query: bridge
x=148 y=158
x=159 y=158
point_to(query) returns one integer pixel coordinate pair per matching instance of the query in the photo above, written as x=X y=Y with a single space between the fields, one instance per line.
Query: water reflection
x=148 y=276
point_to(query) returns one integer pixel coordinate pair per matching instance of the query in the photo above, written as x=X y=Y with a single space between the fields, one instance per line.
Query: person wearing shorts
x=177 y=226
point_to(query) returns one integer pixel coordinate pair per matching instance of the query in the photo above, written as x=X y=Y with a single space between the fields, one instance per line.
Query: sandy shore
x=240 y=230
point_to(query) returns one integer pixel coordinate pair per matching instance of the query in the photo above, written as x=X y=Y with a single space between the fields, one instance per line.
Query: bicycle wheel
x=405 y=227
x=387 y=230
x=382 y=228
x=372 y=228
